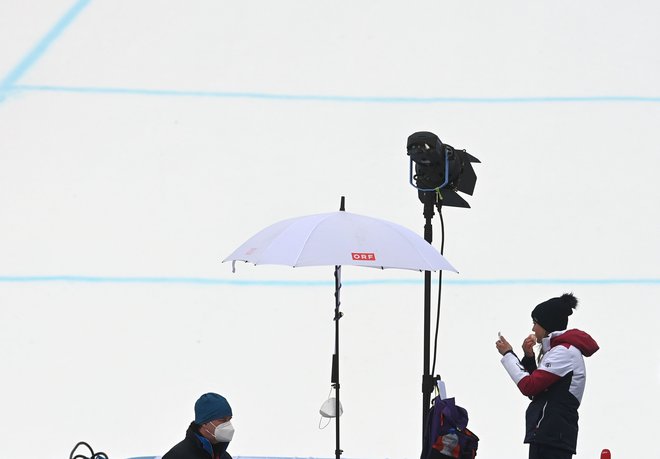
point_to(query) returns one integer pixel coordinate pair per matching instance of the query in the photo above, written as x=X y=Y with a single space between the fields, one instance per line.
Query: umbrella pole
x=335 y=360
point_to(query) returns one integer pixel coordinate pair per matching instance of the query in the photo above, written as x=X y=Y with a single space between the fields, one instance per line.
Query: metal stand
x=428 y=380
x=334 y=379
x=335 y=360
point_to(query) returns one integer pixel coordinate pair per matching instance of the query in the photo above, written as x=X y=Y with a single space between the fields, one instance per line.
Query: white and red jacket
x=555 y=387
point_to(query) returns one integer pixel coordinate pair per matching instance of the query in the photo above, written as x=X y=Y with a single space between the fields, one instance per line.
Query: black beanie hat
x=553 y=314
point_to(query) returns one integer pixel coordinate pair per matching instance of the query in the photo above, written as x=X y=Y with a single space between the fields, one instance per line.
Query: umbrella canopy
x=340 y=238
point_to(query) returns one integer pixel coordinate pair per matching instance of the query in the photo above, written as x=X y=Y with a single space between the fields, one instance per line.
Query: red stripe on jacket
x=537 y=382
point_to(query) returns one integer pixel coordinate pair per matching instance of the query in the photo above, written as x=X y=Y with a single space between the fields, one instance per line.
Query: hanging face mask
x=329 y=408
x=224 y=432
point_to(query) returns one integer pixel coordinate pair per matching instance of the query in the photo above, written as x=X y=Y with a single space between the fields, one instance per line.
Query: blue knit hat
x=210 y=407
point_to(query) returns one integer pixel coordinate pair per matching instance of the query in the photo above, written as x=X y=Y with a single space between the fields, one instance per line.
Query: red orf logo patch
x=363 y=256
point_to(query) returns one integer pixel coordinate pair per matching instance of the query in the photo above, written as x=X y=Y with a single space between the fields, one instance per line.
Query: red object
x=605 y=454
x=364 y=256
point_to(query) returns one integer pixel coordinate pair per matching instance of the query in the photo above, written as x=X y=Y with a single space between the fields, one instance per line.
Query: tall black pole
x=427 y=378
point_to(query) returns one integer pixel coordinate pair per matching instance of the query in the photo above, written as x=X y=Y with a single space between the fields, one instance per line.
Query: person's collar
x=545 y=342
x=208 y=447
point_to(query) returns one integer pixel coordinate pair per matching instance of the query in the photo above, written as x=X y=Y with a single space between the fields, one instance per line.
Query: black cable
x=94 y=455
x=437 y=318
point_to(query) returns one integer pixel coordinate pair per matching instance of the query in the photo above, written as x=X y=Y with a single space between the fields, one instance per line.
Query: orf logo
x=363 y=256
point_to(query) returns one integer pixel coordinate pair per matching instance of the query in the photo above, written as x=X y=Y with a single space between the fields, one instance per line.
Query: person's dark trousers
x=547 y=452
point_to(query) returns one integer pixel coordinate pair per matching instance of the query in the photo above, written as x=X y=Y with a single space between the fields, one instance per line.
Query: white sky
x=149 y=139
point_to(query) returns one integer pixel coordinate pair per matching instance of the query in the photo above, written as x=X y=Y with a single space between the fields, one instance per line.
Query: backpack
x=446 y=434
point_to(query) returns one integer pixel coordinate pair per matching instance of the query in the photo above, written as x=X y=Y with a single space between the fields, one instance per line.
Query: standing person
x=557 y=384
x=209 y=434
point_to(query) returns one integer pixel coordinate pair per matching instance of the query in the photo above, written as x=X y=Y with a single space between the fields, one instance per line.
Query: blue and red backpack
x=446 y=434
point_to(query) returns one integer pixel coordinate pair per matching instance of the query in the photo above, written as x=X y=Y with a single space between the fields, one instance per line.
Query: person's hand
x=528 y=346
x=503 y=345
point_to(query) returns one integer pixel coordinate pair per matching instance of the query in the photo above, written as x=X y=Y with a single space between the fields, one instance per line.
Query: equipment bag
x=446 y=434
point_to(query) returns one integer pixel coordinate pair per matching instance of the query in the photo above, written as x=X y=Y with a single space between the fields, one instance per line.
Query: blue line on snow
x=313 y=283
x=33 y=56
x=331 y=98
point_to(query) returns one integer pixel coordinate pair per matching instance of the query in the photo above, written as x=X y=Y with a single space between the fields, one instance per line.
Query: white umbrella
x=336 y=239
x=340 y=238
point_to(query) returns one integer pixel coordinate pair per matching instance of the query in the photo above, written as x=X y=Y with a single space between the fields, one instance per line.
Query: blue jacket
x=195 y=446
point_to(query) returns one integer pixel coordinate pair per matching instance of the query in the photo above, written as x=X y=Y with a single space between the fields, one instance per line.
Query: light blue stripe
x=314 y=283
x=334 y=98
x=33 y=56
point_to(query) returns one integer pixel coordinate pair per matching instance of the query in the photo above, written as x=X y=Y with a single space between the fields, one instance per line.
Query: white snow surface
x=142 y=142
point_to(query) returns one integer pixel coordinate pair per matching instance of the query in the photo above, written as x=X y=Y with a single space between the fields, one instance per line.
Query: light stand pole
x=427 y=379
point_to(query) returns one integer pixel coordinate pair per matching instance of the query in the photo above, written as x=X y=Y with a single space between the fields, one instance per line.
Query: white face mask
x=224 y=432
